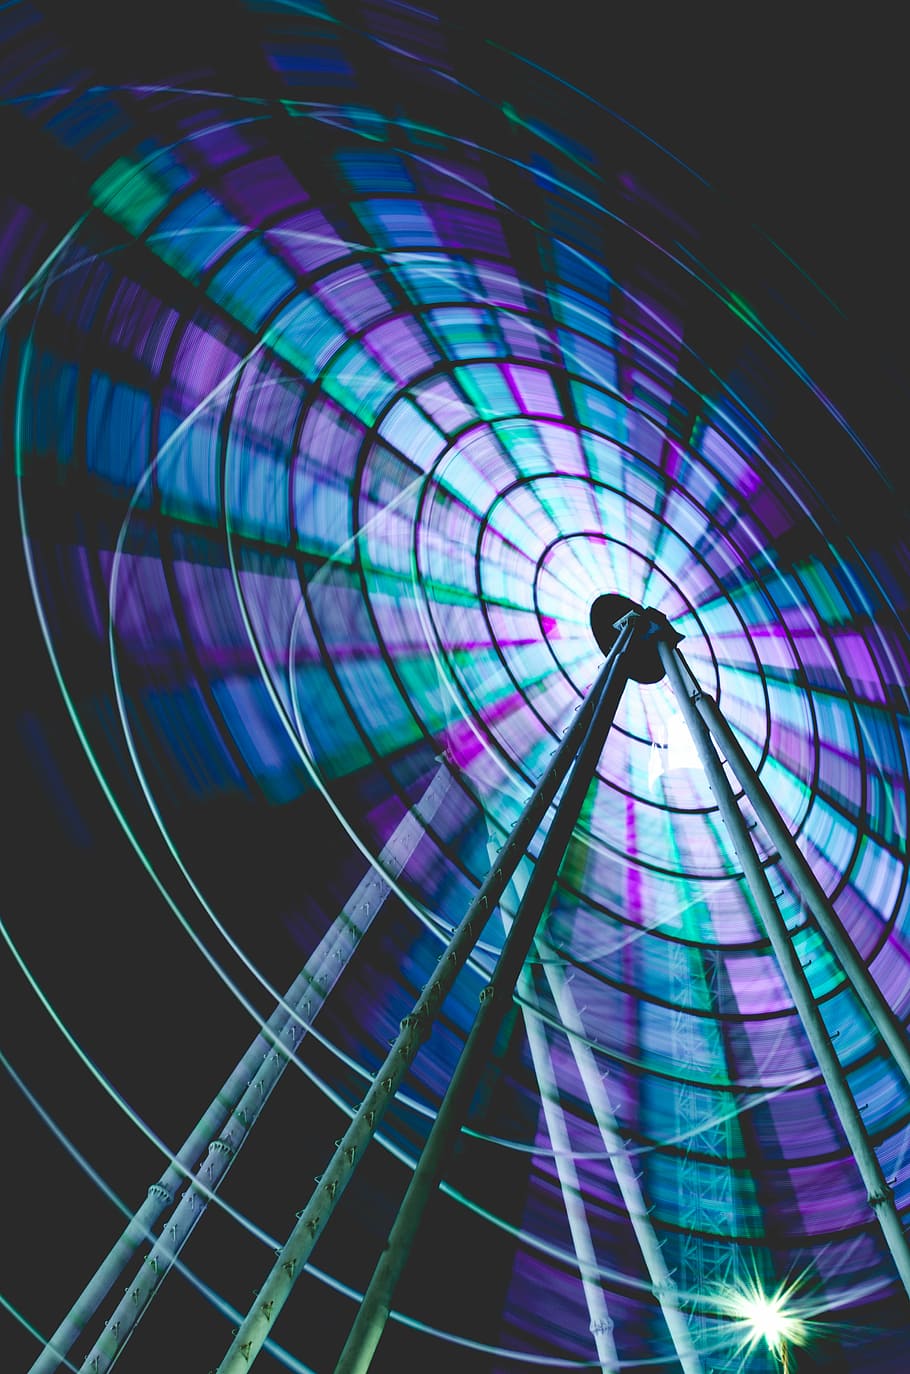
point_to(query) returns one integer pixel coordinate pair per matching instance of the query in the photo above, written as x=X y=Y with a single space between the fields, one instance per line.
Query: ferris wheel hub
x=643 y=664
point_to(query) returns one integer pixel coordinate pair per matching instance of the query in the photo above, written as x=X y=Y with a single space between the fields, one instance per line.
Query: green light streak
x=130 y=194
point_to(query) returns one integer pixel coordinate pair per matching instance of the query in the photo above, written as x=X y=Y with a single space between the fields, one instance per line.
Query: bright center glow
x=767 y=1318
x=672 y=746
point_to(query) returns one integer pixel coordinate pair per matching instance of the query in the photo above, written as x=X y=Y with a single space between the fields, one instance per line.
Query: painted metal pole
x=880 y=1195
x=865 y=986
x=261 y=1068
x=662 y=1284
x=601 y=1323
x=495 y=1000
x=253 y=1331
x=300 y=1003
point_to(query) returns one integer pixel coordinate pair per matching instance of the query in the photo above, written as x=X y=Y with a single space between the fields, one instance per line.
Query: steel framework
x=639 y=645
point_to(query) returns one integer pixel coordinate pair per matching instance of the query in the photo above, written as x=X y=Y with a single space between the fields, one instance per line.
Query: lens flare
x=767 y=1318
x=775 y=1318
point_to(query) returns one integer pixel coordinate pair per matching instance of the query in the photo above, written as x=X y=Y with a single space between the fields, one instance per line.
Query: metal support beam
x=242 y=1099
x=163 y=1194
x=662 y=1284
x=495 y=1000
x=415 y=1028
x=298 y=1006
x=870 y=994
x=601 y=1323
x=880 y=1195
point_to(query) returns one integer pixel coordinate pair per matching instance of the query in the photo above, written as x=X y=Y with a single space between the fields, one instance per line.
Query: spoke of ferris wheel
x=792 y=857
x=238 y=1103
x=495 y=1000
x=879 y=1193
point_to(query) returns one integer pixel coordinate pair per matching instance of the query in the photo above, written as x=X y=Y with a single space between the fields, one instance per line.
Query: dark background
x=797 y=114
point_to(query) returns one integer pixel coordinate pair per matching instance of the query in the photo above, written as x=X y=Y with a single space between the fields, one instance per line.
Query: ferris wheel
x=476 y=628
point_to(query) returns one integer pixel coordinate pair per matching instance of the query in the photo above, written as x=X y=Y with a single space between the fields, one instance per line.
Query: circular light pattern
x=333 y=415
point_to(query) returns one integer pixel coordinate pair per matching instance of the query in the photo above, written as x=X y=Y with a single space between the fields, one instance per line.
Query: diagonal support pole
x=856 y=970
x=495 y=999
x=623 y=1166
x=601 y=1323
x=415 y=1028
x=243 y=1098
x=267 y=1056
x=879 y=1193
x=617 y=1152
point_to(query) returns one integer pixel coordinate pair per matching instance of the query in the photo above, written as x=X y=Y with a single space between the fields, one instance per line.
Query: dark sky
x=797 y=114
